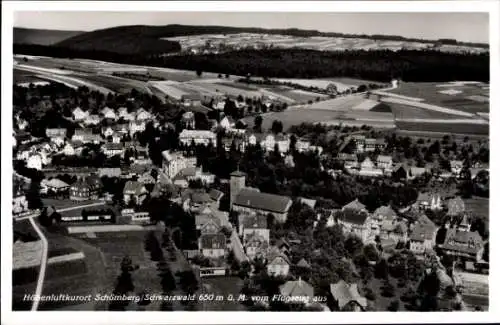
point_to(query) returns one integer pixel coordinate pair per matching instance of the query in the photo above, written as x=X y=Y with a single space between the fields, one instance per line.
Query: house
x=208 y=222
x=355 y=205
x=384 y=162
x=111 y=149
x=251 y=224
x=107 y=131
x=384 y=215
x=278 y=264
x=136 y=126
x=309 y=202
x=203 y=137
x=125 y=115
x=428 y=201
x=53 y=185
x=256 y=246
x=416 y=172
x=289 y=161
x=423 y=237
x=121 y=128
x=226 y=123
x=456 y=167
x=212 y=245
x=191 y=100
x=56 y=133
x=134 y=190
x=79 y=114
x=143 y=115
x=394 y=229
x=188 y=120
x=355 y=222
x=34 y=161
x=349 y=160
x=303 y=264
x=19 y=204
x=367 y=168
x=195 y=201
x=249 y=200
x=92 y=120
x=370 y=144
x=467 y=245
x=297 y=291
x=174 y=162
x=110 y=172
x=86 y=136
x=347 y=296
x=146 y=178
x=456 y=206
x=108 y=113
x=87 y=188
x=359 y=142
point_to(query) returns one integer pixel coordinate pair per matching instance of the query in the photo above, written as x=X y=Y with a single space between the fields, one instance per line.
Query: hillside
x=42 y=36
x=140 y=39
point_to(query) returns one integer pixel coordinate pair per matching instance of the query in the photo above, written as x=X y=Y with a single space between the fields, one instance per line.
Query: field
x=321 y=43
x=467 y=100
x=443 y=127
x=401 y=111
x=381 y=303
x=478 y=206
x=22 y=76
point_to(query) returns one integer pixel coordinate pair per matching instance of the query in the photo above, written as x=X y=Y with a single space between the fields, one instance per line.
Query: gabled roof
x=56 y=183
x=303 y=263
x=204 y=218
x=383 y=158
x=299 y=288
x=385 y=211
x=256 y=221
x=215 y=194
x=345 y=293
x=133 y=187
x=213 y=241
x=263 y=201
x=422 y=232
x=463 y=241
x=113 y=146
x=309 y=202
x=354 y=205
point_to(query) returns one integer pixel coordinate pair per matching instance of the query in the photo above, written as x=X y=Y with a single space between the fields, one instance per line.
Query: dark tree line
x=379 y=65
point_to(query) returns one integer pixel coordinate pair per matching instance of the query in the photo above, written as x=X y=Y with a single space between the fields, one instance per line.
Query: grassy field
x=401 y=111
x=454 y=128
x=381 y=303
x=22 y=76
x=61 y=204
x=431 y=93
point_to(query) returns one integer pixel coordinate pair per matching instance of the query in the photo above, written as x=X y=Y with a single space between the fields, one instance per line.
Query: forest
x=376 y=65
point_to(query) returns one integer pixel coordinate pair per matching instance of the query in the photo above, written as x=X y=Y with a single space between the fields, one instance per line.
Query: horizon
x=463 y=27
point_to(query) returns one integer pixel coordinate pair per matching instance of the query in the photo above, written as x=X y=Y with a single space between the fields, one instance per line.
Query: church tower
x=237 y=183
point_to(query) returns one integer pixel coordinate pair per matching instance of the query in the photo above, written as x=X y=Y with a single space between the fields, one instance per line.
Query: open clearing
x=479 y=206
x=223 y=286
x=462 y=101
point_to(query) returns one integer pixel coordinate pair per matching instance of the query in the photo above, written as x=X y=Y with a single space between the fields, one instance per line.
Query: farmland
x=443 y=127
x=466 y=97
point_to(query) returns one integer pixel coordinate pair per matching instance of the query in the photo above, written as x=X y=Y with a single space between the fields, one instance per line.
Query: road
x=43 y=264
x=66 y=209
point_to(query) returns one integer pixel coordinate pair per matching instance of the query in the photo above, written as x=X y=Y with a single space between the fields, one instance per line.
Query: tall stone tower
x=236 y=184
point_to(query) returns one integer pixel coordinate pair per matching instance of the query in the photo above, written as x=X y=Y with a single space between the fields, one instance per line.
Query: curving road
x=43 y=264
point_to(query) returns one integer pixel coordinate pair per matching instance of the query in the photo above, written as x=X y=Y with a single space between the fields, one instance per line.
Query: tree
x=277 y=127
x=199 y=72
x=257 y=124
x=188 y=281
x=393 y=306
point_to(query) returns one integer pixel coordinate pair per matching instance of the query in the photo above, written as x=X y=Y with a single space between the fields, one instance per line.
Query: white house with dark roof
x=111 y=149
x=143 y=115
x=174 y=162
x=347 y=295
x=92 y=120
x=423 y=237
x=79 y=114
x=278 y=264
x=384 y=162
x=199 y=137
x=109 y=113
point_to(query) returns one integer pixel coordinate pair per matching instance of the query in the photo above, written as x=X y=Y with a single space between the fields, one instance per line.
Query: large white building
x=186 y=137
x=174 y=162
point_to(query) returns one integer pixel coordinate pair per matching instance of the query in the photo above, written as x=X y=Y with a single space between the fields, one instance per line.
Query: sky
x=468 y=27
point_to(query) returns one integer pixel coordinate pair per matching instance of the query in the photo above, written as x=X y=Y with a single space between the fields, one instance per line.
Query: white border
x=9 y=317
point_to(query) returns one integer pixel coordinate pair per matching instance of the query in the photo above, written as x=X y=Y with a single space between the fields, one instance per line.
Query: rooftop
x=345 y=293
x=263 y=201
x=299 y=288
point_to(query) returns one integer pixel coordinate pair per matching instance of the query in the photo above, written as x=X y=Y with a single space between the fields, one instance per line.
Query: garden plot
x=366 y=105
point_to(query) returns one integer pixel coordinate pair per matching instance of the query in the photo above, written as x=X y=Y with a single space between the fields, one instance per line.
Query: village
x=230 y=199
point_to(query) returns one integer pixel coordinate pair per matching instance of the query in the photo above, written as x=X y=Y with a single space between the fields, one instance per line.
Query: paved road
x=65 y=209
x=43 y=264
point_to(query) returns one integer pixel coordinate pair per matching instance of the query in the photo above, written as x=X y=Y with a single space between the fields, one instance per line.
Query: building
x=249 y=200
x=428 y=201
x=174 y=162
x=53 y=185
x=456 y=167
x=212 y=245
x=215 y=196
x=253 y=223
x=347 y=296
x=125 y=115
x=92 y=120
x=355 y=205
x=203 y=137
x=79 y=114
x=134 y=190
x=87 y=188
x=226 y=123
x=19 y=204
x=34 y=161
x=256 y=246
x=86 y=136
x=466 y=245
x=188 y=120
x=108 y=113
x=107 y=131
x=423 y=238
x=278 y=264
x=297 y=291
x=349 y=160
x=237 y=183
x=355 y=222
x=136 y=126
x=367 y=168
x=384 y=162
x=359 y=142
x=55 y=133
x=143 y=115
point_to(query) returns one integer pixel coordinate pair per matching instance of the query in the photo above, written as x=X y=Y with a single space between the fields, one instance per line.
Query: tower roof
x=238 y=173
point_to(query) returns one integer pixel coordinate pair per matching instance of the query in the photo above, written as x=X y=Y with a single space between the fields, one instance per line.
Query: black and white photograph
x=222 y=159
